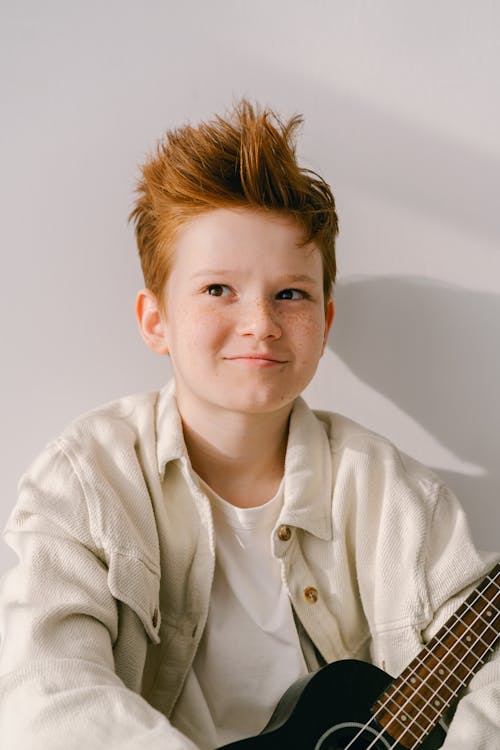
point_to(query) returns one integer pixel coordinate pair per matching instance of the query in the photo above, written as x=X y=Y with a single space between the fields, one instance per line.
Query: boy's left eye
x=291 y=294
x=218 y=290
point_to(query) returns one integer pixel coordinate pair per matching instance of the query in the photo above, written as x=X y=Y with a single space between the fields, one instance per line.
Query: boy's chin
x=255 y=404
x=242 y=398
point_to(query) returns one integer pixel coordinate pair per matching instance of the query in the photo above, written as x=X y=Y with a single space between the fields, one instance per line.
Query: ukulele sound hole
x=353 y=736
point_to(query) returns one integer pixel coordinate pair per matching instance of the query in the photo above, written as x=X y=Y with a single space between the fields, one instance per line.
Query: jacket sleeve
x=452 y=563
x=59 y=624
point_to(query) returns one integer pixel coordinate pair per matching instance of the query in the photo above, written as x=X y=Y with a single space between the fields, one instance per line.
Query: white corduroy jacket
x=98 y=633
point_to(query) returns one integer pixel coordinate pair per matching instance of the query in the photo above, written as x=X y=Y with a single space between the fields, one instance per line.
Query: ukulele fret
x=406 y=726
x=417 y=699
x=458 y=654
x=400 y=716
x=443 y=672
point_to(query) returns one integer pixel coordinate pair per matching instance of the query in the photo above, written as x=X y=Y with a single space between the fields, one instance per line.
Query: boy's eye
x=291 y=294
x=218 y=290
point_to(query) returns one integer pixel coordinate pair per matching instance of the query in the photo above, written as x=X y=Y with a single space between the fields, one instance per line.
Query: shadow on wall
x=434 y=350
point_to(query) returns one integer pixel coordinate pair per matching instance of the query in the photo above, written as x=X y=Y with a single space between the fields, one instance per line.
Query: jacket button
x=154 y=619
x=284 y=533
x=311 y=594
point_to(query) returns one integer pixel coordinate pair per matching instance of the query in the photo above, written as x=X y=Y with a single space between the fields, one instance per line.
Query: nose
x=259 y=319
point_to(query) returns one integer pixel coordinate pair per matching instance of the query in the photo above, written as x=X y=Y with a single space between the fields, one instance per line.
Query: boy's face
x=244 y=318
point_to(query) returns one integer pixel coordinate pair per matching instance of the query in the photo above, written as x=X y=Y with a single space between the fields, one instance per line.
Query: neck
x=240 y=456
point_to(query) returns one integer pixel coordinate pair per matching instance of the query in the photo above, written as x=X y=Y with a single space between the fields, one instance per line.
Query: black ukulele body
x=328 y=710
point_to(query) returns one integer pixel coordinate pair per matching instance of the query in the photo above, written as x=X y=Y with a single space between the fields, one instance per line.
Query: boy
x=186 y=555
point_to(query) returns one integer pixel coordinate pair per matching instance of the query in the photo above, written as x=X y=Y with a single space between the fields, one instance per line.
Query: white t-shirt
x=250 y=652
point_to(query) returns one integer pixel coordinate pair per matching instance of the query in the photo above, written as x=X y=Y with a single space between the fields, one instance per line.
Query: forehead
x=237 y=237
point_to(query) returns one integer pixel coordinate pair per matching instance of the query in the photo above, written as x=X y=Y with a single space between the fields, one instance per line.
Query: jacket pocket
x=132 y=582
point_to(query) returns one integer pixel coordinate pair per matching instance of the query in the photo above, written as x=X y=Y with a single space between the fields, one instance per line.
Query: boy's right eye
x=218 y=290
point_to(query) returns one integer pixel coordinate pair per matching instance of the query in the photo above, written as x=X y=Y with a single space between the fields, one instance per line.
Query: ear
x=330 y=313
x=151 y=324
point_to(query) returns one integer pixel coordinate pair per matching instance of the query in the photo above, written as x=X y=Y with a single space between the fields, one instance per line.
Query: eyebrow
x=295 y=278
x=302 y=278
x=211 y=272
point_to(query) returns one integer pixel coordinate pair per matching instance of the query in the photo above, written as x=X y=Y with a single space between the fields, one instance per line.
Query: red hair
x=246 y=159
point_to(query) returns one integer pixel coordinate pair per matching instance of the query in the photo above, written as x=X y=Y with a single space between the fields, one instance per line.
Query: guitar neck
x=414 y=703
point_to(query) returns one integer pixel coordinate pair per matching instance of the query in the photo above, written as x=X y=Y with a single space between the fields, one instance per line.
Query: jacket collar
x=308 y=462
x=308 y=474
x=169 y=436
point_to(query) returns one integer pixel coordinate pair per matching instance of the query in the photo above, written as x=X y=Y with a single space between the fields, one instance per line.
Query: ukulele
x=353 y=705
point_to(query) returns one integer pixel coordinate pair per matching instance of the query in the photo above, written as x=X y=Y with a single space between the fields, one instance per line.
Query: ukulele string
x=431 y=672
x=416 y=739
x=488 y=625
x=439 y=664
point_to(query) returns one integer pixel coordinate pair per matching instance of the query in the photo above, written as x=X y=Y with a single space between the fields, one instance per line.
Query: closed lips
x=265 y=357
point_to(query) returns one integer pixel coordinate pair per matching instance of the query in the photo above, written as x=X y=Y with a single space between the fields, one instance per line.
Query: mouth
x=256 y=359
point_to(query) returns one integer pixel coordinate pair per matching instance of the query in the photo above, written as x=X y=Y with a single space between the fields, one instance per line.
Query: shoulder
x=112 y=451
x=383 y=505
x=94 y=478
x=354 y=446
x=383 y=500
x=112 y=443
x=124 y=420
x=400 y=526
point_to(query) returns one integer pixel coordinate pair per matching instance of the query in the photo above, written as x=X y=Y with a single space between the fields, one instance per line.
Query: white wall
x=402 y=109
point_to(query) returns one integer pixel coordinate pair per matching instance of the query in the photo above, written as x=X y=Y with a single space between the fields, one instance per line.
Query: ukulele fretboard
x=417 y=699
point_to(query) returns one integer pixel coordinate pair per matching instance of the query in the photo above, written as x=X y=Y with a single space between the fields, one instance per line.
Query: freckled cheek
x=306 y=331
x=198 y=330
